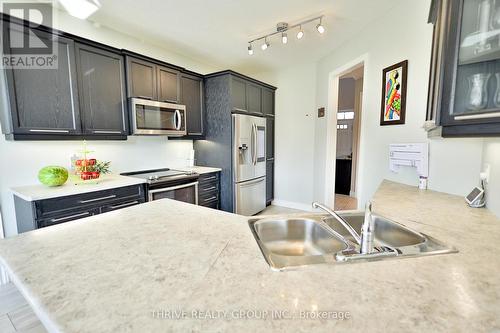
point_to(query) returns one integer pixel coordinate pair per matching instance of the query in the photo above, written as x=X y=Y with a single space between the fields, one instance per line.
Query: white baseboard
x=293 y=205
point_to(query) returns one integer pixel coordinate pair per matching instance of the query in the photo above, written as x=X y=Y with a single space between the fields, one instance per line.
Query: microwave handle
x=178 y=120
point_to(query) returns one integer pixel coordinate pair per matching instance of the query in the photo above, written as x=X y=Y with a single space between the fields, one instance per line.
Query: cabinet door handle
x=124 y=205
x=240 y=110
x=107 y=132
x=48 y=131
x=210 y=199
x=209 y=188
x=70 y=217
x=210 y=178
x=98 y=199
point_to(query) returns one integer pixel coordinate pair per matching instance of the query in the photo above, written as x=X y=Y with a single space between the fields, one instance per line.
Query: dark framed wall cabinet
x=86 y=96
x=83 y=98
x=464 y=81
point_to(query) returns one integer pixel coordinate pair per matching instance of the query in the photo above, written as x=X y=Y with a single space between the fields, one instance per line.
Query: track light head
x=320 y=27
x=300 y=34
x=250 y=49
x=284 y=38
x=265 y=45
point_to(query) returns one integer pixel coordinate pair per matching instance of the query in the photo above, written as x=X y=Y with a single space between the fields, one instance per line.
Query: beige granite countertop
x=201 y=169
x=40 y=192
x=121 y=271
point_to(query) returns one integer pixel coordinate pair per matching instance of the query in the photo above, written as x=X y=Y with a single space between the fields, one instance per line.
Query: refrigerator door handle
x=255 y=144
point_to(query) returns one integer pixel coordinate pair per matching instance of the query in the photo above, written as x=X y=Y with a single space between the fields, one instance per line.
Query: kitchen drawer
x=208 y=196
x=74 y=203
x=210 y=203
x=120 y=205
x=208 y=187
x=208 y=178
x=69 y=216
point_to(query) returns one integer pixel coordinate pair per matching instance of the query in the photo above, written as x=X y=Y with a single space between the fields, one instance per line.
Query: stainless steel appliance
x=249 y=164
x=157 y=118
x=168 y=183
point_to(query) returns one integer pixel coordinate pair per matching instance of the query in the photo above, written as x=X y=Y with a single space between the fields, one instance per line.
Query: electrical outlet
x=485 y=175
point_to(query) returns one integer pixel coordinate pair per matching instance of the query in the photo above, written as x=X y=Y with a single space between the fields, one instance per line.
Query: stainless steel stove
x=169 y=183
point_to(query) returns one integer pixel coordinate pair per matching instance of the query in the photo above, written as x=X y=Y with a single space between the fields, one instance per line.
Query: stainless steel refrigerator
x=249 y=164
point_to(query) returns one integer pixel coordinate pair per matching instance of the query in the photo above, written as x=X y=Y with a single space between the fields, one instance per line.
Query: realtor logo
x=25 y=46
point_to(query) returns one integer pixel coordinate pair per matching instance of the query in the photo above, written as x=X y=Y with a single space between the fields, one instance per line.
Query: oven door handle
x=173 y=188
x=178 y=120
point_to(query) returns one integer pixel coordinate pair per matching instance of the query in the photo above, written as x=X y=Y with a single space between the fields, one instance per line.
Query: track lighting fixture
x=282 y=28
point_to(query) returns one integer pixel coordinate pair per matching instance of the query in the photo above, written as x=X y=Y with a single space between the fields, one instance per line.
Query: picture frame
x=394 y=84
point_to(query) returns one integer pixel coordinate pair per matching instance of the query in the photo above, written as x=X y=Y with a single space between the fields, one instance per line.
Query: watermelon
x=53 y=175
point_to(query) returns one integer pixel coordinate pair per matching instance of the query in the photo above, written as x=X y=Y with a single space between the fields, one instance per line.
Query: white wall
x=491 y=156
x=454 y=163
x=20 y=161
x=294 y=134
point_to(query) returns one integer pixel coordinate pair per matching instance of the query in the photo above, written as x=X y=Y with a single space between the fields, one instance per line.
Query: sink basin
x=318 y=239
x=297 y=237
x=296 y=241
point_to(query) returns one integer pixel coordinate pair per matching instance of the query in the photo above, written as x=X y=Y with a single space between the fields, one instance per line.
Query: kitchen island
x=170 y=266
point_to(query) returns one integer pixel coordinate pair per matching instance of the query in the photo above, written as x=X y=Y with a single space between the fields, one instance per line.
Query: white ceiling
x=216 y=32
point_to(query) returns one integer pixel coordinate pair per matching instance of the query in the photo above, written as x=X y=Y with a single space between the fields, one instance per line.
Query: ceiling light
x=300 y=34
x=320 y=27
x=81 y=9
x=284 y=38
x=282 y=29
x=265 y=45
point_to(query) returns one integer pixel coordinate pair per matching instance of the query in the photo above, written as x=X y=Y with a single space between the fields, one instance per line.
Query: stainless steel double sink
x=291 y=242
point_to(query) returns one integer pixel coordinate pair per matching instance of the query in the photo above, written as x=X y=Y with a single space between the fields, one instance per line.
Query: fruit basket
x=89 y=170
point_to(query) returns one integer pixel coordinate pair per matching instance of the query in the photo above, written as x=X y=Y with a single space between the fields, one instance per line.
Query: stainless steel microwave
x=157 y=118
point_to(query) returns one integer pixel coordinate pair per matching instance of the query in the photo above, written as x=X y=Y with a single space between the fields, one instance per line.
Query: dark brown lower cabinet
x=37 y=214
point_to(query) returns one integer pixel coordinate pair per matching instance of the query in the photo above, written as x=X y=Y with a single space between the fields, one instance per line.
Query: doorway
x=348 y=116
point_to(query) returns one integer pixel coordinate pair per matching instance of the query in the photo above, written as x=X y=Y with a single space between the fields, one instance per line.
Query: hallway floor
x=345 y=202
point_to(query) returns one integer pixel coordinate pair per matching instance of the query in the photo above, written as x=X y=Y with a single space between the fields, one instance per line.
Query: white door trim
x=331 y=125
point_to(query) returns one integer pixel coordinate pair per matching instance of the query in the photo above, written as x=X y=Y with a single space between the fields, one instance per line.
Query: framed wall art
x=394 y=94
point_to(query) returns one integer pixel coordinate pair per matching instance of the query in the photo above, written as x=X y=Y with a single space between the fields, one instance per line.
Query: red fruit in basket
x=92 y=161
x=78 y=162
x=95 y=174
x=86 y=175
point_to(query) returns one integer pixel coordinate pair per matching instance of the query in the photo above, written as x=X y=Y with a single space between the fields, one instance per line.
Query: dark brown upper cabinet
x=464 y=83
x=239 y=94
x=192 y=96
x=142 y=79
x=267 y=102
x=103 y=102
x=168 y=84
x=254 y=98
x=248 y=96
x=42 y=101
x=152 y=81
